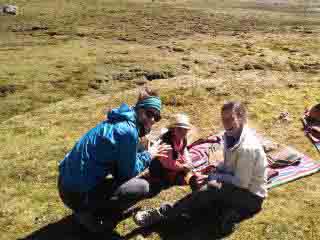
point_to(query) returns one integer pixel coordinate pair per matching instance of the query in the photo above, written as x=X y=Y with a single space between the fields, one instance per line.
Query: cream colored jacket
x=248 y=163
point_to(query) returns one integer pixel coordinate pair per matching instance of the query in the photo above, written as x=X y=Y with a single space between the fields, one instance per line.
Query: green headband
x=150 y=102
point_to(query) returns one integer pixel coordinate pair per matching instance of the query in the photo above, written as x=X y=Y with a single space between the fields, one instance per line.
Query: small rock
x=38 y=28
x=185 y=66
x=52 y=33
x=293 y=85
x=158 y=75
x=94 y=85
x=81 y=34
x=257 y=66
x=209 y=89
x=136 y=69
x=284 y=117
x=308 y=31
x=177 y=49
x=8 y=89
x=9 y=9
x=248 y=66
x=127 y=39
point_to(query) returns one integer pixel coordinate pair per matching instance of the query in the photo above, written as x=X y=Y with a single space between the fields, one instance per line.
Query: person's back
x=99 y=151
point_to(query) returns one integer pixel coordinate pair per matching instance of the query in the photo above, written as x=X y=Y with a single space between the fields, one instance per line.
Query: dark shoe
x=148 y=217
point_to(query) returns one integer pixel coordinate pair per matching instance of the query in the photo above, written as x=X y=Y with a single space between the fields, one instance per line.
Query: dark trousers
x=108 y=199
x=158 y=172
x=228 y=196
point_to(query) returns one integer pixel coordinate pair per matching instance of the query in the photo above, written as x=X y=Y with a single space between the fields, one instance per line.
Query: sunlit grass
x=63 y=63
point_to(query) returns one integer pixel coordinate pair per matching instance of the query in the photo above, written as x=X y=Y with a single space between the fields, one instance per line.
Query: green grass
x=62 y=63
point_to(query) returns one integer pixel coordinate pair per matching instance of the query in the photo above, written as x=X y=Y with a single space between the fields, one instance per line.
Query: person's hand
x=209 y=169
x=213 y=137
x=215 y=184
x=201 y=178
x=187 y=166
x=197 y=180
x=159 y=149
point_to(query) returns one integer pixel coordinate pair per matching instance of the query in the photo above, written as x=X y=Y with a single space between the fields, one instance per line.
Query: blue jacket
x=108 y=148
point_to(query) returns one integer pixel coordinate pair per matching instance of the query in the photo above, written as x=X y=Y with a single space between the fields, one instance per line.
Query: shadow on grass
x=203 y=226
x=67 y=229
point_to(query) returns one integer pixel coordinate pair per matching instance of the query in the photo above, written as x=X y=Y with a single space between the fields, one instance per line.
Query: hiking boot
x=148 y=217
x=94 y=224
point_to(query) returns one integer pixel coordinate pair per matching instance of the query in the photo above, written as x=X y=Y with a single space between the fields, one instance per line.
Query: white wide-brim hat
x=180 y=120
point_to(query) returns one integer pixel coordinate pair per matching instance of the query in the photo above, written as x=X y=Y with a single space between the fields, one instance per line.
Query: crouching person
x=237 y=187
x=110 y=149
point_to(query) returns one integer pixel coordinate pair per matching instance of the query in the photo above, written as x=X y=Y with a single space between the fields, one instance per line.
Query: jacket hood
x=123 y=113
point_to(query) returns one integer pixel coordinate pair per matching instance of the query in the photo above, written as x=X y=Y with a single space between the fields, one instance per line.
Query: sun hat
x=180 y=120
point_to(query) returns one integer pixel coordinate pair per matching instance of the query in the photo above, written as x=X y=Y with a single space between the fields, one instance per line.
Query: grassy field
x=62 y=63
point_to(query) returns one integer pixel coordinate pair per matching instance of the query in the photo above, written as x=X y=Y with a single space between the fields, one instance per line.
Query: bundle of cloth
x=311 y=123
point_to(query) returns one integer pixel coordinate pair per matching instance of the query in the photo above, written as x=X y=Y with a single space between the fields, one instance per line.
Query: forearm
x=171 y=164
x=225 y=178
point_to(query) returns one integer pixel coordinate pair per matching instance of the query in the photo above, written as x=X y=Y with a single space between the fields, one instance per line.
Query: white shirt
x=246 y=164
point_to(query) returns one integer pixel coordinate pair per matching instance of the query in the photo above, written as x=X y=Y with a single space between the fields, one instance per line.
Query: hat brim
x=180 y=126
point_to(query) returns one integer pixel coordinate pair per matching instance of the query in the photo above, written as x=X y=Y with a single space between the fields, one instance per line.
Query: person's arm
x=170 y=163
x=187 y=156
x=130 y=163
x=223 y=174
x=224 y=178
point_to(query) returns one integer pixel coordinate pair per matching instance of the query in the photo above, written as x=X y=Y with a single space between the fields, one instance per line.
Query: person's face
x=147 y=117
x=180 y=133
x=231 y=123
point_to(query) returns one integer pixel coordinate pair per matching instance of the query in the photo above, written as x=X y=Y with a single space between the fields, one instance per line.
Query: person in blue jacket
x=97 y=177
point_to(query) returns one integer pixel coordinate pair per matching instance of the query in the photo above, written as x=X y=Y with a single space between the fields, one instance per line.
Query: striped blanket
x=317 y=146
x=303 y=167
x=306 y=167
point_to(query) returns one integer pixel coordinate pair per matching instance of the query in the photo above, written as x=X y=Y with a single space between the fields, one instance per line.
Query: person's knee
x=142 y=187
x=135 y=188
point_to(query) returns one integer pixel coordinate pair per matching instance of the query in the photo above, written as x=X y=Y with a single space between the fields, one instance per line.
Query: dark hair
x=167 y=138
x=147 y=92
x=237 y=107
x=316 y=107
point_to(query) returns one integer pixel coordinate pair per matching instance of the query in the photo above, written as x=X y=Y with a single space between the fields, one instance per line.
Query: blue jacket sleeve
x=130 y=163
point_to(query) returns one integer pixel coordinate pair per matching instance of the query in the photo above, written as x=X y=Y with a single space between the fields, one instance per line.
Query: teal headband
x=150 y=102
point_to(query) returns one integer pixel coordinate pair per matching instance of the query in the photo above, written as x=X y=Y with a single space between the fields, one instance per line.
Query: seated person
x=172 y=169
x=238 y=185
